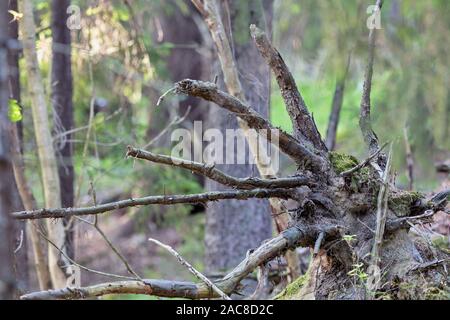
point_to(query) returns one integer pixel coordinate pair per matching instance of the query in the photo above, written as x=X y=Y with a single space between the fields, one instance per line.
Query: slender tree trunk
x=40 y=260
x=338 y=100
x=20 y=235
x=62 y=91
x=181 y=30
x=27 y=200
x=46 y=152
x=7 y=281
x=13 y=62
x=333 y=122
x=233 y=227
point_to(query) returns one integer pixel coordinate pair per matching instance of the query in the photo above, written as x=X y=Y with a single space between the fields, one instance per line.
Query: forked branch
x=191 y=269
x=365 y=124
x=288 y=144
x=176 y=289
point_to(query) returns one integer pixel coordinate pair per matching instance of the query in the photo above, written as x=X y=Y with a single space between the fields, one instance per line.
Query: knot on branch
x=132 y=152
x=194 y=87
x=292 y=236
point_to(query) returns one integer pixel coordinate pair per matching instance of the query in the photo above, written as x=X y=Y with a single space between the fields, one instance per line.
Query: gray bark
x=233 y=227
x=62 y=91
x=181 y=30
x=7 y=281
x=19 y=228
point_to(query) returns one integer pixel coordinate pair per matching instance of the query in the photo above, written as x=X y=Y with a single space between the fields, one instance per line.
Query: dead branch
x=303 y=123
x=336 y=107
x=176 y=121
x=364 y=163
x=264 y=286
x=333 y=122
x=111 y=275
x=200 y=7
x=300 y=235
x=409 y=159
x=164 y=95
x=439 y=201
x=382 y=207
x=365 y=124
x=62 y=135
x=318 y=243
x=287 y=143
x=210 y=12
x=175 y=289
x=161 y=288
x=151 y=200
x=214 y=174
x=398 y=223
x=29 y=203
x=191 y=269
x=223 y=42
x=110 y=244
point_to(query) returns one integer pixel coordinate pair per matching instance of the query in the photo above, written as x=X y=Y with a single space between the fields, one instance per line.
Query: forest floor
x=148 y=260
x=152 y=262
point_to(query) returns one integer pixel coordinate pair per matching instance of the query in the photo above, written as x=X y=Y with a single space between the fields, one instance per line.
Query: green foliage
x=359 y=273
x=349 y=238
x=410 y=85
x=442 y=243
x=167 y=180
x=14 y=111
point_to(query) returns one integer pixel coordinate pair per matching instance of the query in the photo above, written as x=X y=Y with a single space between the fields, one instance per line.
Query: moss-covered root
x=303 y=288
x=291 y=292
x=342 y=162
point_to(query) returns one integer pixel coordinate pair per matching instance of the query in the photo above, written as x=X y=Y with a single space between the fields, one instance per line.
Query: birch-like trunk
x=46 y=152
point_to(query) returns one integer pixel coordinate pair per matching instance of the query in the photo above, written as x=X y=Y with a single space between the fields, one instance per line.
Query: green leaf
x=14 y=111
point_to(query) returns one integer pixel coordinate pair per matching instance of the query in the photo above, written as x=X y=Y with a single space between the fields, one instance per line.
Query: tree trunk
x=26 y=197
x=46 y=152
x=19 y=231
x=234 y=227
x=7 y=281
x=62 y=90
x=181 y=30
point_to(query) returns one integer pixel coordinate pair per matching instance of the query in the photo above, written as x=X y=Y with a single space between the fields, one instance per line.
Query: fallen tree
x=349 y=212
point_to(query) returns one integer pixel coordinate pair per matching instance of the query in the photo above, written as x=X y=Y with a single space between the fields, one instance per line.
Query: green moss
x=421 y=291
x=401 y=202
x=433 y=293
x=441 y=242
x=293 y=289
x=342 y=162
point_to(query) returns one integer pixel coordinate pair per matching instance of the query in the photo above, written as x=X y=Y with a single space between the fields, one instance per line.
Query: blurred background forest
x=126 y=54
